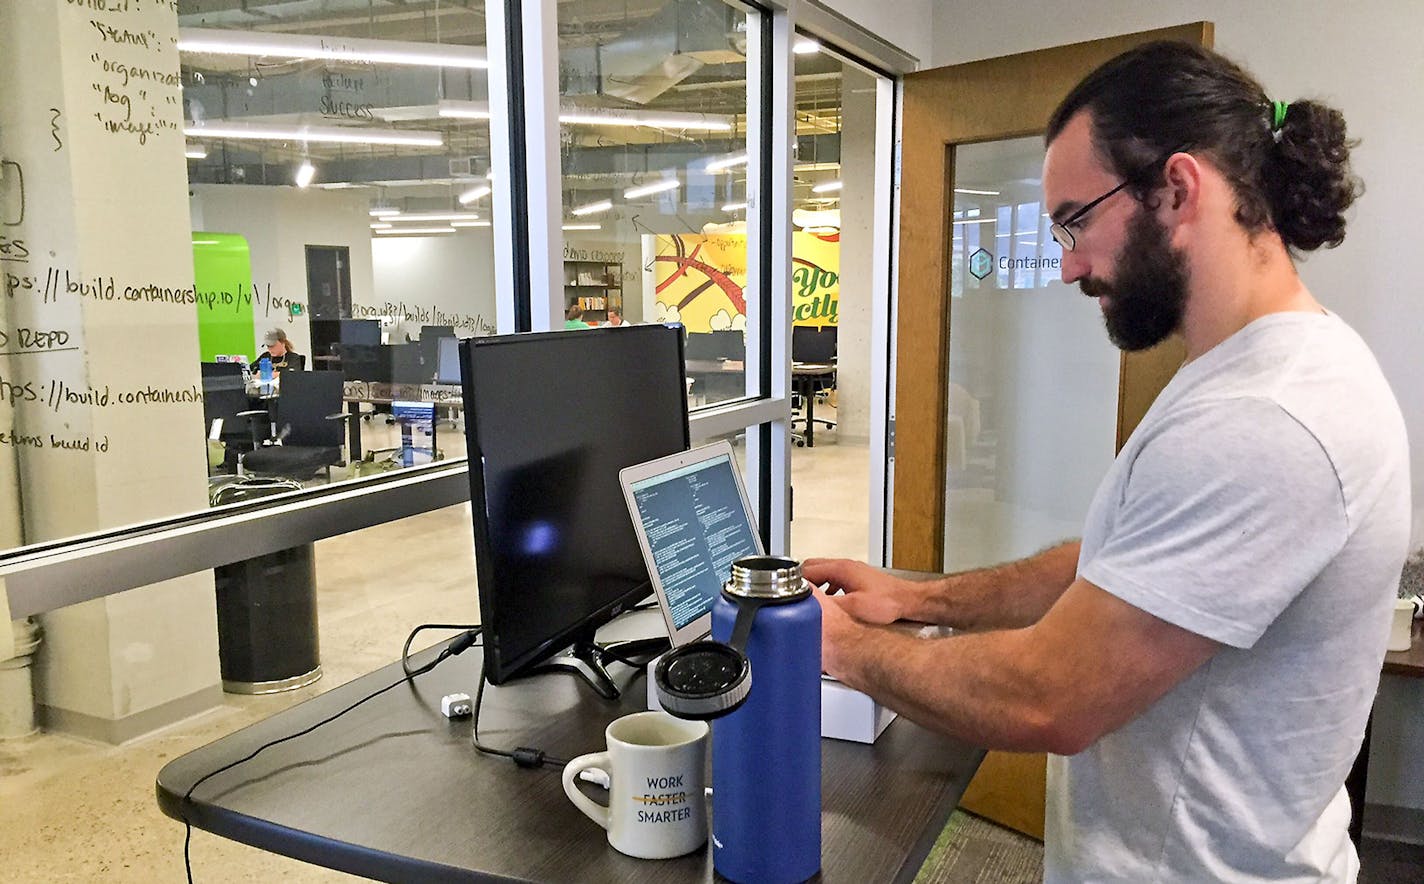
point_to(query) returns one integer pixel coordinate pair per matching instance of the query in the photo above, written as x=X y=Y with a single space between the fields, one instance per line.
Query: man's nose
x=1073 y=267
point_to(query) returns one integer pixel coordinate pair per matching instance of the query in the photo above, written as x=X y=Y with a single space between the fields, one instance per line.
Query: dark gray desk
x=394 y=792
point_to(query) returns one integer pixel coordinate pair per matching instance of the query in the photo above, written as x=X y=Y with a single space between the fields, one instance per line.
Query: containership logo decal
x=981 y=264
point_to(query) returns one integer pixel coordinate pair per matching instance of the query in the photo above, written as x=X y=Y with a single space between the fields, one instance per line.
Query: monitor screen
x=447 y=366
x=696 y=522
x=362 y=332
x=550 y=419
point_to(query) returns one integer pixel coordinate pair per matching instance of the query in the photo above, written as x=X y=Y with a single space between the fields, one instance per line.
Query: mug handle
x=592 y=809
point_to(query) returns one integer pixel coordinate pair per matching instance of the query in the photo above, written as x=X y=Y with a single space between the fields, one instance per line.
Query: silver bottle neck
x=766 y=577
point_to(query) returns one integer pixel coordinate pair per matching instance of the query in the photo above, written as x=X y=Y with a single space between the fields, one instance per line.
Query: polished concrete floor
x=77 y=811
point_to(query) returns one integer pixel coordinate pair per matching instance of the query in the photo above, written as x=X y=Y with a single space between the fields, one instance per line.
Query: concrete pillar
x=857 y=214
x=106 y=425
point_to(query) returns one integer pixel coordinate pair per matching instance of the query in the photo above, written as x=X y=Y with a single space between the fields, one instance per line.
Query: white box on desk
x=846 y=714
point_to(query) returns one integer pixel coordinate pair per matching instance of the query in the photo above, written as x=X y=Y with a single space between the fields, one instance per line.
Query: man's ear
x=1183 y=182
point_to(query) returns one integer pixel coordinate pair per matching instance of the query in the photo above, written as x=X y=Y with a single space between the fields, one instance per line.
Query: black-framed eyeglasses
x=1059 y=229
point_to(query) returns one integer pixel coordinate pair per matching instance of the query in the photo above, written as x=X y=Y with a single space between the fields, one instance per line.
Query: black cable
x=456 y=645
x=472 y=629
x=524 y=756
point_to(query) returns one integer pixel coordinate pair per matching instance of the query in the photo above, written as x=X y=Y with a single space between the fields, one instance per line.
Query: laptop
x=692 y=517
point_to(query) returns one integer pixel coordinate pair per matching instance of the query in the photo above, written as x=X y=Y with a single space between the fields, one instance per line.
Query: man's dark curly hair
x=1167 y=96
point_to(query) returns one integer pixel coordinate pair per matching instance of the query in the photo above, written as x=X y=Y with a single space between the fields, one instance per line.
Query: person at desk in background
x=573 y=316
x=280 y=351
x=1202 y=663
x=615 y=317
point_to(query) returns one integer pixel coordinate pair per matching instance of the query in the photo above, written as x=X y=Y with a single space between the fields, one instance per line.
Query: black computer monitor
x=813 y=344
x=550 y=419
x=447 y=366
x=361 y=332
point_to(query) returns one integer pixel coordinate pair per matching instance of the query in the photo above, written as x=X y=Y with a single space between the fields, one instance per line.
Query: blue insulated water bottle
x=766 y=755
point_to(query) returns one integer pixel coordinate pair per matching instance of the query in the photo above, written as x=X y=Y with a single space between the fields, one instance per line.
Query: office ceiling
x=683 y=56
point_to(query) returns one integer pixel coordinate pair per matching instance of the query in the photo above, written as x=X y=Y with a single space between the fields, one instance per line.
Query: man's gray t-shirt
x=1263 y=502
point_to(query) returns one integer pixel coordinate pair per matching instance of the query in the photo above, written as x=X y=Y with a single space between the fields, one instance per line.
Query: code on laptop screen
x=697 y=524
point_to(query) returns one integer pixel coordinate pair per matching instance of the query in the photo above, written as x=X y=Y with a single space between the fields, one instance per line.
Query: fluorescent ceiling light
x=434 y=216
x=382 y=211
x=455 y=109
x=195 y=151
x=415 y=231
x=976 y=192
x=727 y=163
x=828 y=187
x=734 y=207
x=211 y=41
x=473 y=194
x=314 y=134
x=805 y=46
x=816 y=167
x=633 y=193
x=583 y=226
x=977 y=221
x=576 y=115
x=305 y=174
x=381 y=225
x=592 y=208
x=469 y=224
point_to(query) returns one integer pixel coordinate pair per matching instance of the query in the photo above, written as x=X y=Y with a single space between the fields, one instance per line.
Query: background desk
x=395 y=792
x=356 y=392
x=804 y=378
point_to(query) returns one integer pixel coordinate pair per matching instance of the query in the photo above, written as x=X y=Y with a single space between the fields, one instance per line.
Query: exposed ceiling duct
x=655 y=53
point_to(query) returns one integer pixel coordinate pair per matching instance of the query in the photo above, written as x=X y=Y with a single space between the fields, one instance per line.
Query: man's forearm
x=1006 y=596
x=970 y=687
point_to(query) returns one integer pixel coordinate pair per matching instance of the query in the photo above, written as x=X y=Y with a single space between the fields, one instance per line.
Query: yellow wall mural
x=701 y=280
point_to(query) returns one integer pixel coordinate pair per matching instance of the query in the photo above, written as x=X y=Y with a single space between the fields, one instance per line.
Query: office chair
x=225 y=399
x=811 y=346
x=311 y=429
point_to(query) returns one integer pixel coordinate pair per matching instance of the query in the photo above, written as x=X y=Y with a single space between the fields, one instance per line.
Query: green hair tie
x=1278 y=112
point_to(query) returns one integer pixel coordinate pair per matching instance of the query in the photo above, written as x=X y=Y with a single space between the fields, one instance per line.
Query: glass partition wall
x=653 y=128
x=339 y=176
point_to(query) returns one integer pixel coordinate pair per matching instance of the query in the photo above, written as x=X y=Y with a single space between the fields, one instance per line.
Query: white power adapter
x=455 y=705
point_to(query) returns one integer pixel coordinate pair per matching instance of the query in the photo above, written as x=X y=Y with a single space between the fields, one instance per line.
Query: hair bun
x=1308 y=180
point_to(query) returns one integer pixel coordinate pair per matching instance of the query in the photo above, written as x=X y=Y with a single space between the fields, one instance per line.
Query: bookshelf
x=596 y=285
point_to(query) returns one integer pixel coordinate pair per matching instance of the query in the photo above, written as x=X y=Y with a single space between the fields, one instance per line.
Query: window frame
x=38 y=578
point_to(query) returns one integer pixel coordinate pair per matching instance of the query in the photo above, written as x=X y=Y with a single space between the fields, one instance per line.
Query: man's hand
x=838 y=633
x=871 y=595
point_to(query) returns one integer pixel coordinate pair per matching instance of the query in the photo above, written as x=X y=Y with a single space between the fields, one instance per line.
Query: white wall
x=434 y=280
x=279 y=223
x=1363 y=58
x=853 y=372
x=905 y=24
x=449 y=279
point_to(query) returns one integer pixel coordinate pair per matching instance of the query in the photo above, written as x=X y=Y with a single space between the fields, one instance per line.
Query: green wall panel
x=222 y=273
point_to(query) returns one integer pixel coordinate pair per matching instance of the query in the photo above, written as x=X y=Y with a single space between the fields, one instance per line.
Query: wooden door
x=944 y=109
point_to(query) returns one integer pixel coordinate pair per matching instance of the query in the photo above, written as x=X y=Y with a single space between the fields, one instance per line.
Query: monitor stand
x=589 y=660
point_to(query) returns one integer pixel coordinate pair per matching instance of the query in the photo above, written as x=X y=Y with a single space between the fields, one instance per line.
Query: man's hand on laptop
x=869 y=594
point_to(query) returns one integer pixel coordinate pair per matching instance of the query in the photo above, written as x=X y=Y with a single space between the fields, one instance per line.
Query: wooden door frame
x=941 y=109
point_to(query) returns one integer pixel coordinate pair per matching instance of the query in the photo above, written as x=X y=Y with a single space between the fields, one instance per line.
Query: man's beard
x=1147 y=297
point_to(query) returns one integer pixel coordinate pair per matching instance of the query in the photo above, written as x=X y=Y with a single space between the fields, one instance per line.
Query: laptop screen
x=696 y=524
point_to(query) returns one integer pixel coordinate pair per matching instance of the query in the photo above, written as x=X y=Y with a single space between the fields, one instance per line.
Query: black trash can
x=267 y=626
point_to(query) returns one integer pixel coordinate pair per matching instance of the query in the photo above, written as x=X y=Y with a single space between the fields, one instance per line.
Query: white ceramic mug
x=1401 y=624
x=655 y=765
